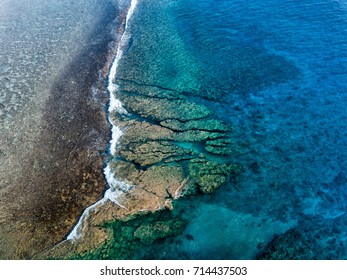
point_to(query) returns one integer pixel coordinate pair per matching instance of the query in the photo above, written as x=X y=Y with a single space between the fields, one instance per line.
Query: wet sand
x=56 y=169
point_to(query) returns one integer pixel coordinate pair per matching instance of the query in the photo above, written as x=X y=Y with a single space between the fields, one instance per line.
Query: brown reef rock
x=170 y=147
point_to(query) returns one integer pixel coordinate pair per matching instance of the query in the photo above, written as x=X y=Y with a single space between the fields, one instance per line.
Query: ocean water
x=276 y=72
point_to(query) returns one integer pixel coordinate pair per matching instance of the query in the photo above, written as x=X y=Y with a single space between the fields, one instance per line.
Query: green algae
x=208 y=175
x=219 y=146
x=136 y=233
x=129 y=237
x=148 y=233
x=163 y=109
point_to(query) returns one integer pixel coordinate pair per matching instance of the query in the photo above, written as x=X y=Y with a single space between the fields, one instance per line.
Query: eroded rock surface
x=166 y=140
x=165 y=152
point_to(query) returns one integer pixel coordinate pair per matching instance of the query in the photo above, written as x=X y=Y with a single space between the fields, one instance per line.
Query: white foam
x=116 y=135
x=78 y=229
x=116 y=188
x=115 y=104
x=130 y=12
x=114 y=183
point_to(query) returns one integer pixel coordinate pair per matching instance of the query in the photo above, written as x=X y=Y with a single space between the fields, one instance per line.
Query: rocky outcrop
x=166 y=139
x=211 y=125
x=165 y=152
x=159 y=109
x=219 y=146
x=149 y=233
x=129 y=237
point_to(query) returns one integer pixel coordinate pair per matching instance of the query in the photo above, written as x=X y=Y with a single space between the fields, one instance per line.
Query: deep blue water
x=277 y=72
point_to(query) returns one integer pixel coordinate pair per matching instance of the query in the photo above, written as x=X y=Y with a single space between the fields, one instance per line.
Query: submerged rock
x=197 y=135
x=312 y=239
x=155 y=133
x=157 y=230
x=219 y=146
x=152 y=152
x=127 y=87
x=212 y=125
x=208 y=175
x=129 y=237
x=162 y=154
x=162 y=109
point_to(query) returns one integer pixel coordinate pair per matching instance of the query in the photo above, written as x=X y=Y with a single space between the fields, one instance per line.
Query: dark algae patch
x=312 y=239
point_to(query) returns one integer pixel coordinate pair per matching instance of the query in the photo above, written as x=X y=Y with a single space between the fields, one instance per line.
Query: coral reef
x=313 y=239
x=127 y=237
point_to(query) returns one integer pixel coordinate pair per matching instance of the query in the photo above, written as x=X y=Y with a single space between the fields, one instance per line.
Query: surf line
x=116 y=187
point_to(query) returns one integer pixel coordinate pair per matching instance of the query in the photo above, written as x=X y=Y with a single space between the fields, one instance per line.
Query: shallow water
x=53 y=129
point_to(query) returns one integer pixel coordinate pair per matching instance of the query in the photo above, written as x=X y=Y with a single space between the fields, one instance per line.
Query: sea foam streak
x=116 y=187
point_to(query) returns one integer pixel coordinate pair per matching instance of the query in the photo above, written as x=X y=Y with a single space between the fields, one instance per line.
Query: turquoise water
x=276 y=71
